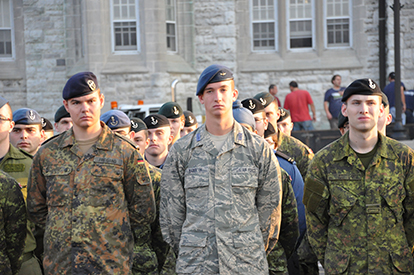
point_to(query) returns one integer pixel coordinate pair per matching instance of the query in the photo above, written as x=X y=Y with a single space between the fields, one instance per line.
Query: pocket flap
x=57 y=171
x=403 y=261
x=193 y=239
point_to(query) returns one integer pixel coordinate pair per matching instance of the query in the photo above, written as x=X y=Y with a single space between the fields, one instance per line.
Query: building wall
x=57 y=38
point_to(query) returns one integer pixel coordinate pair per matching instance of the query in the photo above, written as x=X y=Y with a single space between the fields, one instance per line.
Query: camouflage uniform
x=293 y=147
x=17 y=164
x=289 y=230
x=361 y=220
x=149 y=257
x=12 y=225
x=220 y=210
x=89 y=203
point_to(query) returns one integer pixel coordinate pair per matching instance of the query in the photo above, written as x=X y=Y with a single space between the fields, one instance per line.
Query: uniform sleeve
x=172 y=205
x=269 y=198
x=315 y=199
x=36 y=194
x=304 y=160
x=309 y=98
x=139 y=192
x=408 y=204
x=15 y=222
x=298 y=186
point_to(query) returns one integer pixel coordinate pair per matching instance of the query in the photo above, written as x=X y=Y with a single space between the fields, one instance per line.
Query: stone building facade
x=137 y=48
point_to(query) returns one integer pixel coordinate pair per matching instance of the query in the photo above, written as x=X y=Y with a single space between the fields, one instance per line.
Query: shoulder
x=7 y=182
x=124 y=140
x=294 y=142
x=285 y=157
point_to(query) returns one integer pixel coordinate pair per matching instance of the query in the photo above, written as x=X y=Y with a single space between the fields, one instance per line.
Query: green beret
x=46 y=124
x=138 y=125
x=365 y=86
x=190 y=119
x=265 y=98
x=171 y=110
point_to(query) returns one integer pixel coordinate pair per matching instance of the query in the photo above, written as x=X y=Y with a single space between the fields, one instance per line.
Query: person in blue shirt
x=333 y=98
x=409 y=101
x=389 y=92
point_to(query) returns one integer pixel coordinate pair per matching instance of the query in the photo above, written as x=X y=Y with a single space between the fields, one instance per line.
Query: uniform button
x=75 y=194
x=78 y=169
x=74 y=219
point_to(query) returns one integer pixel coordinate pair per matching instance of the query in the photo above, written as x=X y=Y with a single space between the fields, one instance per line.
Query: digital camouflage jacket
x=89 y=203
x=361 y=220
x=221 y=209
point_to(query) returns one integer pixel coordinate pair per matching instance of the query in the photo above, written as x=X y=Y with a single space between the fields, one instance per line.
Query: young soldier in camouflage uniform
x=90 y=189
x=17 y=163
x=12 y=225
x=359 y=194
x=220 y=190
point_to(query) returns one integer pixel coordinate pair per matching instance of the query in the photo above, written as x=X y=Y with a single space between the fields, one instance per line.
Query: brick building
x=137 y=48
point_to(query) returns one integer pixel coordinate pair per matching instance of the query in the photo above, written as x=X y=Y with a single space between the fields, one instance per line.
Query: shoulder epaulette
x=284 y=156
x=126 y=139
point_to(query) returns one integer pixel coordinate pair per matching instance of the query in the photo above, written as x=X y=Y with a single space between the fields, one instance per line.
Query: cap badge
x=91 y=84
x=371 y=84
x=191 y=120
x=263 y=101
x=43 y=122
x=223 y=73
x=134 y=124
x=175 y=110
x=32 y=115
x=154 y=121
x=113 y=121
x=282 y=112
x=251 y=105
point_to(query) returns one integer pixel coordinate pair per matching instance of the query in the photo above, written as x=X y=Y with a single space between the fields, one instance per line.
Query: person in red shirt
x=297 y=103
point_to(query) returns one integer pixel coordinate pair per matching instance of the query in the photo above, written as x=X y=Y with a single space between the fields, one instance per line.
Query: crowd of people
x=110 y=194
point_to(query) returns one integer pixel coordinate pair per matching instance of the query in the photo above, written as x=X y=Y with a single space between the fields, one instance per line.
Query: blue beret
x=61 y=113
x=213 y=74
x=243 y=115
x=137 y=125
x=116 y=119
x=156 y=121
x=26 y=116
x=3 y=101
x=365 y=86
x=80 y=84
x=171 y=110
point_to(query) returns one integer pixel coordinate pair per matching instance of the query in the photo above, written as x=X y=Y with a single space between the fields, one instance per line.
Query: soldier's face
x=159 y=139
x=141 y=139
x=363 y=112
x=218 y=98
x=286 y=126
x=176 y=126
x=187 y=130
x=64 y=124
x=85 y=110
x=6 y=125
x=27 y=137
x=261 y=123
x=272 y=113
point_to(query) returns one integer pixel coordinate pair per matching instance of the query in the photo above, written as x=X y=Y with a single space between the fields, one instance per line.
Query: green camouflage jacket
x=289 y=230
x=294 y=148
x=361 y=220
x=221 y=210
x=12 y=225
x=89 y=203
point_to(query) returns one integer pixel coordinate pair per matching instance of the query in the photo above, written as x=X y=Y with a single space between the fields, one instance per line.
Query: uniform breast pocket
x=196 y=185
x=342 y=201
x=106 y=186
x=244 y=183
x=57 y=184
x=393 y=196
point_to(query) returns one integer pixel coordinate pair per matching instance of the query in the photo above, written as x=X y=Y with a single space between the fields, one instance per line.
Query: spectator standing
x=273 y=91
x=409 y=101
x=389 y=91
x=297 y=103
x=332 y=102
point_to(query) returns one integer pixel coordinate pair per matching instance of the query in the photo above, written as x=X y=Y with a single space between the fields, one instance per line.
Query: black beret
x=26 y=116
x=3 y=101
x=137 y=125
x=213 y=74
x=365 y=86
x=61 y=113
x=171 y=110
x=342 y=120
x=284 y=114
x=265 y=98
x=385 y=101
x=270 y=131
x=80 y=84
x=156 y=121
x=253 y=105
x=46 y=124
x=190 y=119
x=116 y=119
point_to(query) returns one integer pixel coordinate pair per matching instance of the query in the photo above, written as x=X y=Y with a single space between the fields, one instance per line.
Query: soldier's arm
x=269 y=198
x=408 y=204
x=138 y=191
x=289 y=232
x=15 y=221
x=36 y=194
x=315 y=199
x=172 y=205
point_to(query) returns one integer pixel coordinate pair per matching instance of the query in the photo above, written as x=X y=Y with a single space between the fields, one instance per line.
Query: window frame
x=288 y=20
x=276 y=27
x=137 y=20
x=175 y=29
x=12 y=30
x=325 y=26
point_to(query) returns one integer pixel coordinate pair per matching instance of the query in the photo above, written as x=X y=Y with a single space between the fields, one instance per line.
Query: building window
x=264 y=25
x=125 y=25
x=338 y=23
x=6 y=29
x=171 y=25
x=300 y=24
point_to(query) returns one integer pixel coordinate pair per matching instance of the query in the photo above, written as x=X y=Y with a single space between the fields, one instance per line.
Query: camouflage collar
x=15 y=153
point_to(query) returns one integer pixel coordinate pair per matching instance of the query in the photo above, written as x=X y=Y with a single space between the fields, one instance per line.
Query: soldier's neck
x=219 y=126
x=363 y=142
x=86 y=133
